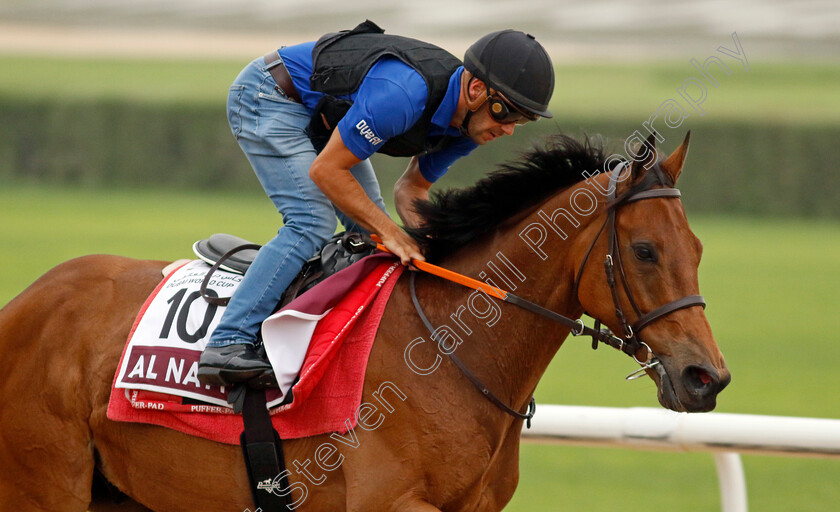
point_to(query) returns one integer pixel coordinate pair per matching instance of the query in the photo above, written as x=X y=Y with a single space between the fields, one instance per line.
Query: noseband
x=630 y=344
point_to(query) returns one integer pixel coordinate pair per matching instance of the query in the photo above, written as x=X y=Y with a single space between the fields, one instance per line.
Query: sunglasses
x=504 y=112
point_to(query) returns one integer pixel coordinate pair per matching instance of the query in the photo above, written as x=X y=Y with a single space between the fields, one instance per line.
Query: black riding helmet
x=514 y=63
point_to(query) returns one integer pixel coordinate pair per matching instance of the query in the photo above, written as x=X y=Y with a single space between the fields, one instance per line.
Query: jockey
x=308 y=117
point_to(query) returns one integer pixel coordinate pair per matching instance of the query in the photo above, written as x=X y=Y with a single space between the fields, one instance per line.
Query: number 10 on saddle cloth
x=172 y=329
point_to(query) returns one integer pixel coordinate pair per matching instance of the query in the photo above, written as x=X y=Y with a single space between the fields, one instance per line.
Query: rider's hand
x=402 y=245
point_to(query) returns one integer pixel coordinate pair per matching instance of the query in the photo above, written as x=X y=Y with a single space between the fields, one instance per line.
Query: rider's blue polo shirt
x=389 y=101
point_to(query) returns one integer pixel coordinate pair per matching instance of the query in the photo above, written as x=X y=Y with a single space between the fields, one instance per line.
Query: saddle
x=261 y=445
x=234 y=254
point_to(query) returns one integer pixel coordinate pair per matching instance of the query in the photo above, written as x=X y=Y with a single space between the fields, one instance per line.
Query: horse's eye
x=645 y=252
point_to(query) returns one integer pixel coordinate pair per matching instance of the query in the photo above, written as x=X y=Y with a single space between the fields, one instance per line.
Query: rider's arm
x=421 y=173
x=434 y=165
x=331 y=172
x=389 y=101
x=408 y=189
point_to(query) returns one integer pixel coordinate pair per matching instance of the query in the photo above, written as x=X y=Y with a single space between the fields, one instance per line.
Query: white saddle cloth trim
x=288 y=334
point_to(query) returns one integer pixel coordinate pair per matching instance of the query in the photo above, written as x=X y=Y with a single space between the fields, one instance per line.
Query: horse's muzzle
x=695 y=390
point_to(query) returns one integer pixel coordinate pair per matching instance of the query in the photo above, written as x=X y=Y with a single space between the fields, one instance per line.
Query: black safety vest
x=342 y=60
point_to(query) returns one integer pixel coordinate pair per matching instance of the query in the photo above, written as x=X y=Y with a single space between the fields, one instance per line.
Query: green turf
x=788 y=92
x=770 y=285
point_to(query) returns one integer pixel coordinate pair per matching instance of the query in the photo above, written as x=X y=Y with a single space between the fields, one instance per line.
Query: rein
x=630 y=344
x=532 y=405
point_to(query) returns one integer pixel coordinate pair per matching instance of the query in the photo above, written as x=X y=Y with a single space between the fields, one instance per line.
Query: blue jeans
x=271 y=130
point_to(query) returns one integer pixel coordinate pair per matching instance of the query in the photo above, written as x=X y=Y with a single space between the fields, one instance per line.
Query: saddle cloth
x=341 y=314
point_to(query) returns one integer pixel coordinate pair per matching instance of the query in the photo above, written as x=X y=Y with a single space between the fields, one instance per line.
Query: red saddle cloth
x=332 y=376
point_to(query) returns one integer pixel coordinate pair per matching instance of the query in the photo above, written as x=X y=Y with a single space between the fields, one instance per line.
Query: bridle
x=630 y=343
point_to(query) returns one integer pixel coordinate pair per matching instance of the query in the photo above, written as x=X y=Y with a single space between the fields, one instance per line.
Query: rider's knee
x=316 y=230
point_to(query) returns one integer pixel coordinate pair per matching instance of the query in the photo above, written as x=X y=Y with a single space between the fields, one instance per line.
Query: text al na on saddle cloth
x=148 y=385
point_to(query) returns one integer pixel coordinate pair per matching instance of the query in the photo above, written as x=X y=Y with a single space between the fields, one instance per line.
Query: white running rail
x=726 y=435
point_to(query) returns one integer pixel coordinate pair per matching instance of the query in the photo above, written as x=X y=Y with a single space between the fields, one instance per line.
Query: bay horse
x=548 y=224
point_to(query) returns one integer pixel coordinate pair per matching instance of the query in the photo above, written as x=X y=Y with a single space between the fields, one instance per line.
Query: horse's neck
x=512 y=353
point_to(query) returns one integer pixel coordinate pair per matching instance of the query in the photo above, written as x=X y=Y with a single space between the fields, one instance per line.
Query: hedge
x=743 y=167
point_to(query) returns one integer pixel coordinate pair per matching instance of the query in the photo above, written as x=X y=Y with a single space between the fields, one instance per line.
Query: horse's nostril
x=700 y=381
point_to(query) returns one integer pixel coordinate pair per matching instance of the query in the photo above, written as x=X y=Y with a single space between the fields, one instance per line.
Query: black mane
x=457 y=216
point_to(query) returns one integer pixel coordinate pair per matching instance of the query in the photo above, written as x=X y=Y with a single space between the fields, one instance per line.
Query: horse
x=567 y=227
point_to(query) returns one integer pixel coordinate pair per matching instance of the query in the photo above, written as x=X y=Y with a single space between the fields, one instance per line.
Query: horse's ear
x=673 y=165
x=644 y=156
